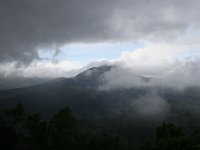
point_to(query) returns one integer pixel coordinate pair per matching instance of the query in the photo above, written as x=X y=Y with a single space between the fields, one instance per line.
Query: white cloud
x=151 y=105
x=44 y=69
x=170 y=63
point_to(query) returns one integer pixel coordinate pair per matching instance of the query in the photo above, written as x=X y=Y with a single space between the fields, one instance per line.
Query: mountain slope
x=20 y=82
x=56 y=93
x=121 y=109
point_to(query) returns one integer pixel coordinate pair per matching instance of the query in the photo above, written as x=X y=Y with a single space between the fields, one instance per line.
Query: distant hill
x=123 y=110
x=19 y=82
x=54 y=93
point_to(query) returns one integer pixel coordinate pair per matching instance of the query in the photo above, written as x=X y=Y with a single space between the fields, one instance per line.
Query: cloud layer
x=171 y=64
x=27 y=26
x=40 y=69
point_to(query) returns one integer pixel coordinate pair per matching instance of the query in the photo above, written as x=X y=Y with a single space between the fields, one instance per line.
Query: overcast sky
x=63 y=35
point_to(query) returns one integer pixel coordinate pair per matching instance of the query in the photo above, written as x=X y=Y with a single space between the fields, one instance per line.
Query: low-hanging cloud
x=155 y=65
x=151 y=105
x=29 y=25
x=177 y=75
x=40 y=69
x=48 y=69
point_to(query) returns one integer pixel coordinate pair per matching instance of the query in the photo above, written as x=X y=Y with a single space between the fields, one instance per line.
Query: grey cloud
x=151 y=105
x=26 y=25
x=178 y=75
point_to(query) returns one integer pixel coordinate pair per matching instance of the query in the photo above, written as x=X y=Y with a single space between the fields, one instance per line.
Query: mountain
x=20 y=82
x=54 y=94
x=127 y=111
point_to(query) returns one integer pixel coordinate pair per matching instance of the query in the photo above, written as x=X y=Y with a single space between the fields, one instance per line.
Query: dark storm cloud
x=26 y=25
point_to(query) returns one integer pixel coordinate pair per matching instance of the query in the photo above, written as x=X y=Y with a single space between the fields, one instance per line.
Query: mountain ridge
x=81 y=93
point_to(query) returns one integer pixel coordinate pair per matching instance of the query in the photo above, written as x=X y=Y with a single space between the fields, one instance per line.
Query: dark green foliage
x=63 y=130
x=168 y=131
x=170 y=137
x=107 y=141
x=37 y=132
x=21 y=131
x=64 y=120
x=17 y=114
x=8 y=137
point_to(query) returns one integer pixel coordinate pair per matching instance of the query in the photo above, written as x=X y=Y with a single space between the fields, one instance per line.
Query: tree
x=108 y=141
x=37 y=132
x=8 y=136
x=170 y=137
x=17 y=114
x=168 y=130
x=63 y=130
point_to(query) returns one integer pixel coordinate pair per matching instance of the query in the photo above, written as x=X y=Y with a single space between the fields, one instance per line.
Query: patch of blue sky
x=192 y=54
x=90 y=52
x=86 y=52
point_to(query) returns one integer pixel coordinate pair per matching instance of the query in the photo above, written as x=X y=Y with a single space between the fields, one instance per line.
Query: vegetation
x=22 y=131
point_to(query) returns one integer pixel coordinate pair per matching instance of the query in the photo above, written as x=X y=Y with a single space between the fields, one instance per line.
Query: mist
x=151 y=106
x=178 y=74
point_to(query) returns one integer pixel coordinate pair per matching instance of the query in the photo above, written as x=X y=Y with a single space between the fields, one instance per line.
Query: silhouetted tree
x=17 y=114
x=8 y=136
x=16 y=118
x=108 y=141
x=37 y=133
x=170 y=137
x=63 y=130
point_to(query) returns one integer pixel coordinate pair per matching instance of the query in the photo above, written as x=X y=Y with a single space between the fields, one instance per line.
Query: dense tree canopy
x=22 y=131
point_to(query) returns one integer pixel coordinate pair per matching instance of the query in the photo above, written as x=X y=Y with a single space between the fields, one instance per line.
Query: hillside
x=133 y=111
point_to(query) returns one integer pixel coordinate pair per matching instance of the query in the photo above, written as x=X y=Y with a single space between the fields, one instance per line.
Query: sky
x=50 y=38
x=86 y=53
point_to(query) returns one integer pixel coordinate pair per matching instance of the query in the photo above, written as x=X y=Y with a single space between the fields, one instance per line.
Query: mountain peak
x=93 y=73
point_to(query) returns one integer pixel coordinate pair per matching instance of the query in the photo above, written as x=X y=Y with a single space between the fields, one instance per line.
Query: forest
x=20 y=130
